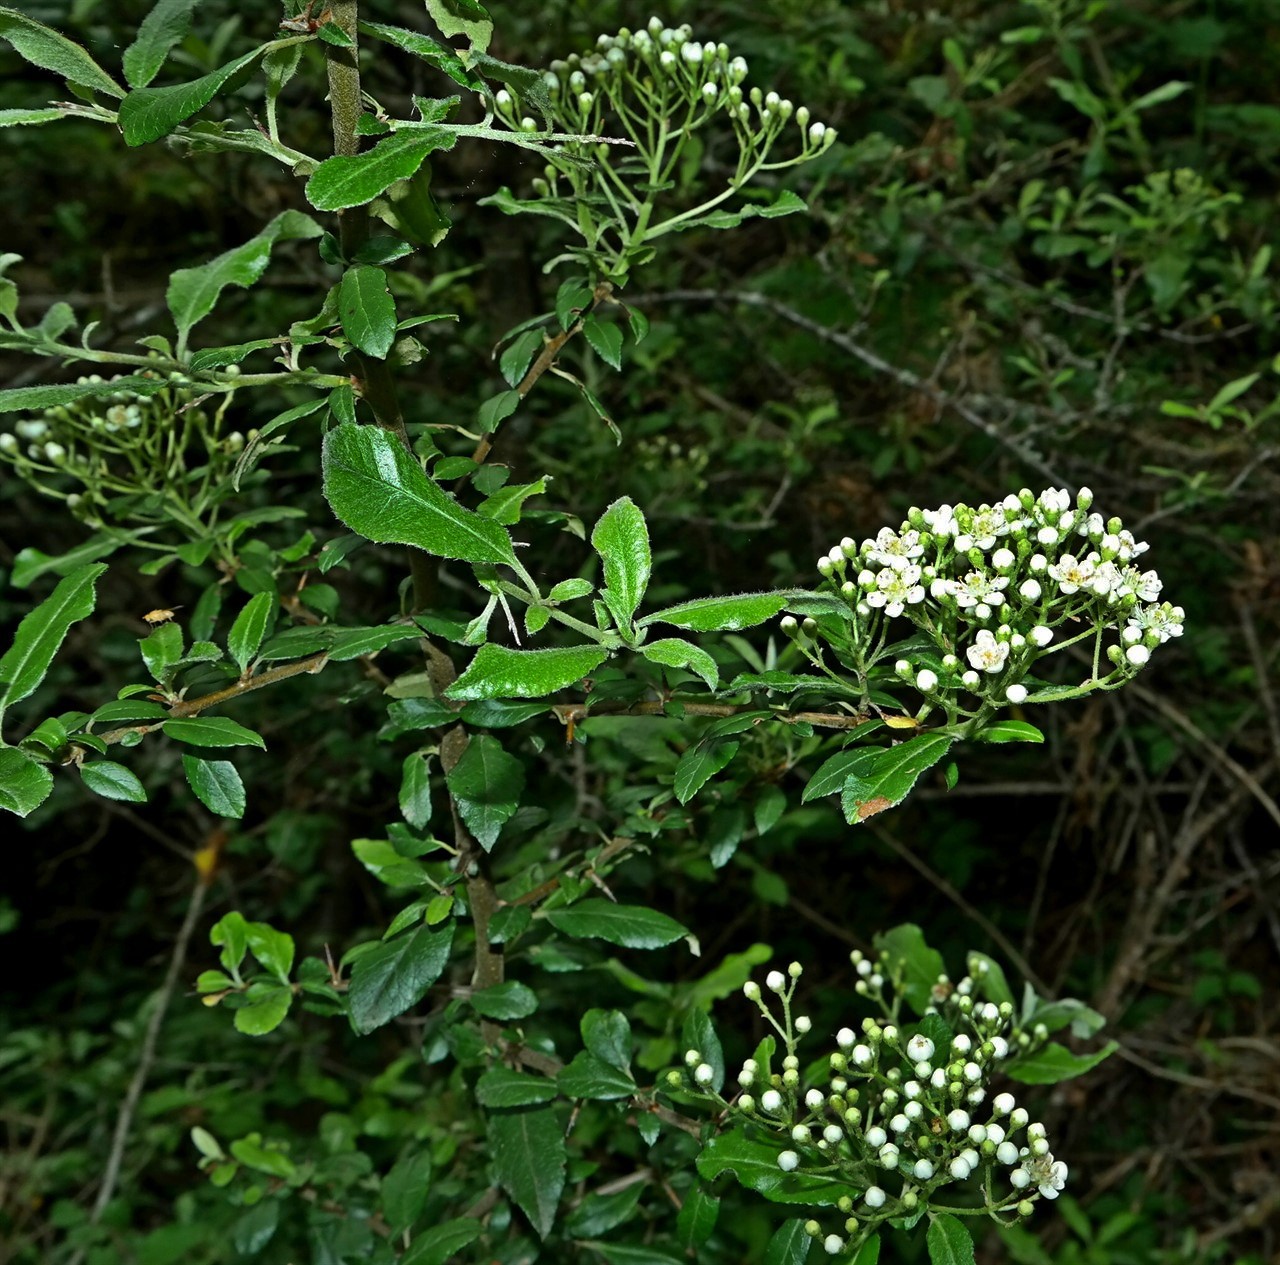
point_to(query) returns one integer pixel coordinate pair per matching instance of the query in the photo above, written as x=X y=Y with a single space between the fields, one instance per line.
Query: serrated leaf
x=507 y=503
x=42 y=632
x=528 y=1151
x=673 y=652
x=442 y=1242
x=23 y=399
x=348 y=180
x=211 y=731
x=379 y=490
x=587 y=1076
x=1053 y=1063
x=268 y=1006
x=166 y=26
x=790 y=1244
x=216 y=784
x=503 y=1087
x=486 y=785
x=607 y=1034
x=24 y=783
x=697 y=1218
x=631 y=926
x=193 y=292
x=508 y=1000
x=698 y=765
x=367 y=310
x=605 y=339
x=415 y=790
x=463 y=17
x=423 y=46
x=394 y=976
x=949 y=1241
x=404 y=1190
x=887 y=779
x=147 y=114
x=251 y=628
x=499 y=672
x=112 y=781
x=720 y=614
x=755 y=1165
x=621 y=538
x=51 y=50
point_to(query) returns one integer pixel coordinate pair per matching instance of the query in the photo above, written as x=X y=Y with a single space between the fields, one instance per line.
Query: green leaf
x=251 y=1152
x=404 y=1190
x=786 y=203
x=989 y=979
x=502 y=1087
x=29 y=118
x=231 y=932
x=463 y=17
x=273 y=949
x=423 y=46
x=720 y=614
x=887 y=777
x=632 y=926
x=348 y=180
x=256 y=1228
x=1085 y=1022
x=497 y=408
x=528 y=1151
x=395 y=975
x=216 y=784
x=161 y=650
x=790 y=1244
x=193 y=292
x=50 y=50
x=699 y=1034
x=268 y=1005
x=699 y=764
x=621 y=538
x=147 y=114
x=22 y=399
x=499 y=672
x=212 y=731
x=444 y=1241
x=353 y=643
x=1010 y=731
x=415 y=790
x=869 y=1252
x=508 y=1000
x=755 y=1165
x=599 y=1213
x=42 y=631
x=486 y=785
x=1053 y=1063
x=113 y=781
x=918 y=964
x=379 y=490
x=605 y=339
x=949 y=1241
x=590 y=1077
x=166 y=26
x=607 y=1034
x=507 y=503
x=251 y=628
x=673 y=652
x=697 y=1218
x=367 y=311
x=24 y=783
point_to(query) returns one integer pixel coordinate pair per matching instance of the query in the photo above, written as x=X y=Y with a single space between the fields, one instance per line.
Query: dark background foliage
x=983 y=297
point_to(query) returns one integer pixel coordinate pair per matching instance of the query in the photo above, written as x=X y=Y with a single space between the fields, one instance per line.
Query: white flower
x=1165 y=621
x=816 y=132
x=919 y=1048
x=1048 y=1174
x=788 y=1161
x=961 y=1044
x=987 y=654
x=978 y=588
x=1007 y=1153
x=1073 y=574
x=896 y=588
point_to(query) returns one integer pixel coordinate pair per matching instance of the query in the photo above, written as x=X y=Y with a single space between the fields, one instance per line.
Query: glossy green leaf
x=507 y=503
x=697 y=1218
x=347 y=180
x=888 y=777
x=486 y=785
x=42 y=631
x=395 y=976
x=251 y=628
x=607 y=1034
x=673 y=652
x=193 y=292
x=605 y=339
x=252 y=1153
x=147 y=114
x=379 y=490
x=404 y=1190
x=789 y=1245
x=919 y=965
x=24 y=783
x=755 y=1165
x=50 y=50
x=216 y=784
x=415 y=790
x=274 y=949
x=949 y=1241
x=1084 y=1021
x=503 y=1087
x=441 y=1243
x=268 y=1006
x=29 y=118
x=22 y=399
x=699 y=1034
x=211 y=731
x=113 y=781
x=621 y=538
x=30 y=564
x=590 y=1077
x=632 y=926
x=367 y=310
x=1010 y=731
x=161 y=30
x=720 y=614
x=499 y=672
x=528 y=1150
x=699 y=764
x=423 y=46
x=508 y=1000
x=869 y=1252
x=161 y=650
x=1053 y=1063
x=254 y=1229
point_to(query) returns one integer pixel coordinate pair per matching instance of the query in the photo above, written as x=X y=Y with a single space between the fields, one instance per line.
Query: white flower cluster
x=998 y=585
x=902 y=1113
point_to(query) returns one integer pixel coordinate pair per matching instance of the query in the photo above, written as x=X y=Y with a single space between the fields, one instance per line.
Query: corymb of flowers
x=994 y=590
x=895 y=1119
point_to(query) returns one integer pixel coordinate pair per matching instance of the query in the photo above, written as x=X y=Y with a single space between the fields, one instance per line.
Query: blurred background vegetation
x=1039 y=253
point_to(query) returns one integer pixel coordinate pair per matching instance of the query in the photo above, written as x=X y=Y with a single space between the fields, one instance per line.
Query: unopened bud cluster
x=120 y=457
x=998 y=587
x=902 y=1113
